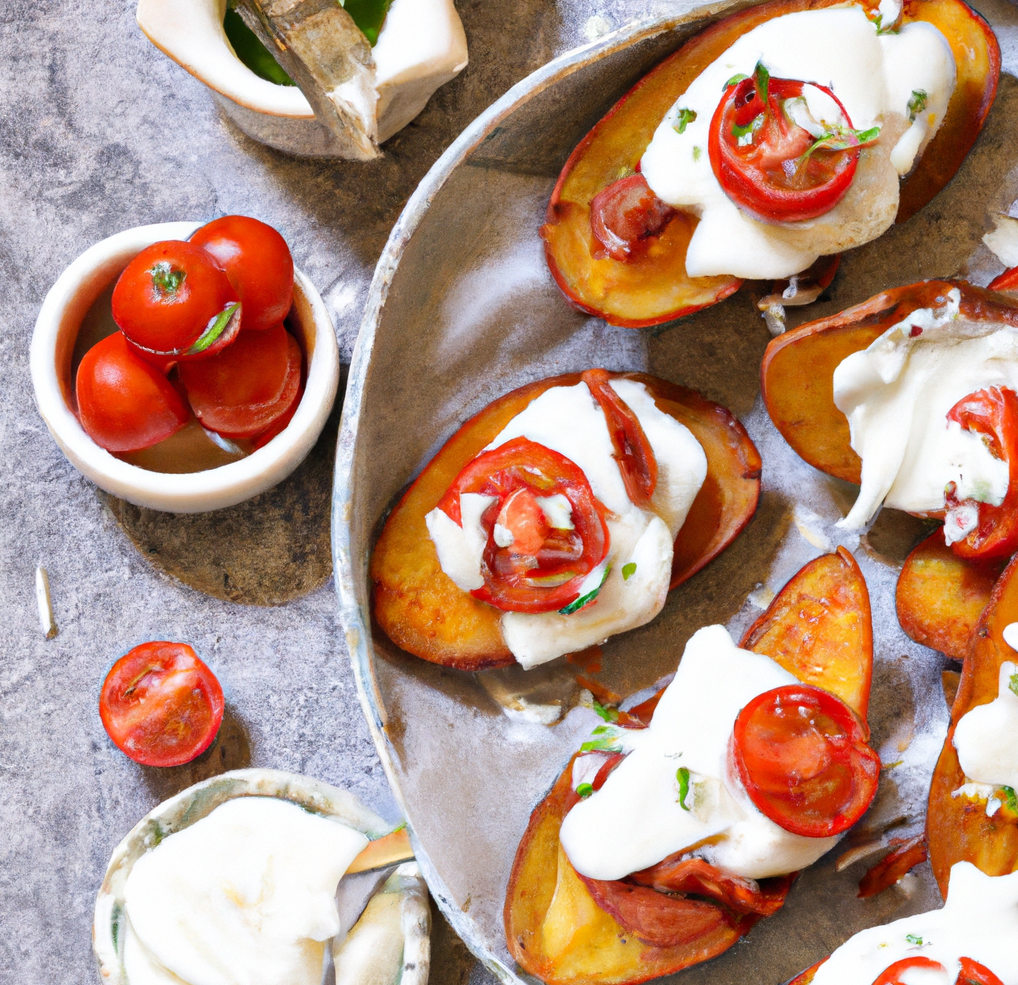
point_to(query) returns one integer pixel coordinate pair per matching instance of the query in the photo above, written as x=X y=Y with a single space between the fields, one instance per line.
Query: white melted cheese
x=978 y=921
x=873 y=75
x=635 y=820
x=245 y=896
x=570 y=421
x=896 y=395
x=986 y=737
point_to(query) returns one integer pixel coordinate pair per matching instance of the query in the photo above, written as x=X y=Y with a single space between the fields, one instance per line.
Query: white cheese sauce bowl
x=404 y=955
x=430 y=50
x=53 y=341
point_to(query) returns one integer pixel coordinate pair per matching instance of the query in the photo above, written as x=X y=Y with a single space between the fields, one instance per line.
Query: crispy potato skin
x=797 y=373
x=820 y=629
x=941 y=596
x=594 y=947
x=957 y=828
x=420 y=608
x=655 y=288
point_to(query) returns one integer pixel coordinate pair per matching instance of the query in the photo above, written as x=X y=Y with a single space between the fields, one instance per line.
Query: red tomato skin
x=745 y=183
x=974 y=973
x=815 y=781
x=1007 y=281
x=280 y=423
x=993 y=413
x=244 y=389
x=258 y=263
x=167 y=296
x=161 y=705
x=124 y=403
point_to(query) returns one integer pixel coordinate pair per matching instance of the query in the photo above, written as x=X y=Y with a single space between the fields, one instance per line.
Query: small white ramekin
x=56 y=330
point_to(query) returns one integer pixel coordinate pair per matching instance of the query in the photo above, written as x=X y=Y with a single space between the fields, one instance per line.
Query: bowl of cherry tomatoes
x=185 y=367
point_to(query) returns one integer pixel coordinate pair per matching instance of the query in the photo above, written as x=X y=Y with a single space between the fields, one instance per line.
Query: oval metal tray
x=463 y=309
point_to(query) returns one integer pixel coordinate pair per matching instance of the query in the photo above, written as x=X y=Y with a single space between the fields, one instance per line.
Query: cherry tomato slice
x=1007 y=281
x=992 y=413
x=891 y=975
x=633 y=452
x=125 y=404
x=770 y=166
x=246 y=387
x=161 y=705
x=802 y=756
x=170 y=296
x=543 y=567
x=974 y=973
x=258 y=263
x=625 y=215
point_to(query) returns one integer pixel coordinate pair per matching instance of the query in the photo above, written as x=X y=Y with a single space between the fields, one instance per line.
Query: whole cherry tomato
x=161 y=705
x=124 y=403
x=769 y=165
x=625 y=215
x=542 y=567
x=242 y=390
x=801 y=754
x=633 y=453
x=258 y=263
x=992 y=413
x=173 y=299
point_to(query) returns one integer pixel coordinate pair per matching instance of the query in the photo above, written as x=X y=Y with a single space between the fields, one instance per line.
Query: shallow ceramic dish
x=404 y=956
x=464 y=752
x=191 y=33
x=56 y=330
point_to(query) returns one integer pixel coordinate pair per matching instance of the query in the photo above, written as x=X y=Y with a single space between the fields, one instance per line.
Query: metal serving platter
x=463 y=309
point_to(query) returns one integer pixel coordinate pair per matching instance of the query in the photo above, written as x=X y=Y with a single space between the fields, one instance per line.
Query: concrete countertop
x=101 y=132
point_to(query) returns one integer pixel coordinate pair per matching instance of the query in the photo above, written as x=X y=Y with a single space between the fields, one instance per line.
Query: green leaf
x=585 y=599
x=628 y=570
x=252 y=52
x=584 y=789
x=1013 y=684
x=369 y=16
x=682 y=775
x=1010 y=799
x=763 y=80
x=917 y=103
x=685 y=117
x=912 y=939
x=748 y=129
x=735 y=80
x=604 y=744
x=607 y=714
x=215 y=329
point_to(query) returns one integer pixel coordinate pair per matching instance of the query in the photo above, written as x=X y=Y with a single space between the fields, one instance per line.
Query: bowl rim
x=351 y=570
x=188 y=492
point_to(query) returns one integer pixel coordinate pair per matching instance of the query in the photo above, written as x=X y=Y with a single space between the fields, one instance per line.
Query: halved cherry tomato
x=258 y=263
x=161 y=705
x=891 y=975
x=542 y=568
x=974 y=973
x=124 y=403
x=992 y=413
x=625 y=215
x=633 y=452
x=802 y=756
x=173 y=299
x=769 y=165
x=246 y=387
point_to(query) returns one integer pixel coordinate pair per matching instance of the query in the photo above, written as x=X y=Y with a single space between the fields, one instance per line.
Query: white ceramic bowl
x=398 y=952
x=56 y=330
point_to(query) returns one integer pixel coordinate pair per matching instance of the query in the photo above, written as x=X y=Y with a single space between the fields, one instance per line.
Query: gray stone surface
x=100 y=132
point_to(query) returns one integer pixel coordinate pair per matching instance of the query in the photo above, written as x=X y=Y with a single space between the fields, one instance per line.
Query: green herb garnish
x=216 y=327
x=916 y=104
x=763 y=79
x=682 y=775
x=697 y=151
x=1010 y=799
x=628 y=570
x=584 y=789
x=585 y=599
x=1013 y=684
x=609 y=715
x=607 y=740
x=685 y=117
x=838 y=139
x=252 y=52
x=166 y=279
x=735 y=80
x=912 y=939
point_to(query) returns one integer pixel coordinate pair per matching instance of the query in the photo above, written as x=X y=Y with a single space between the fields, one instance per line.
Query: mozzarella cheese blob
x=986 y=737
x=896 y=395
x=881 y=79
x=245 y=896
x=638 y=817
x=570 y=421
x=978 y=921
